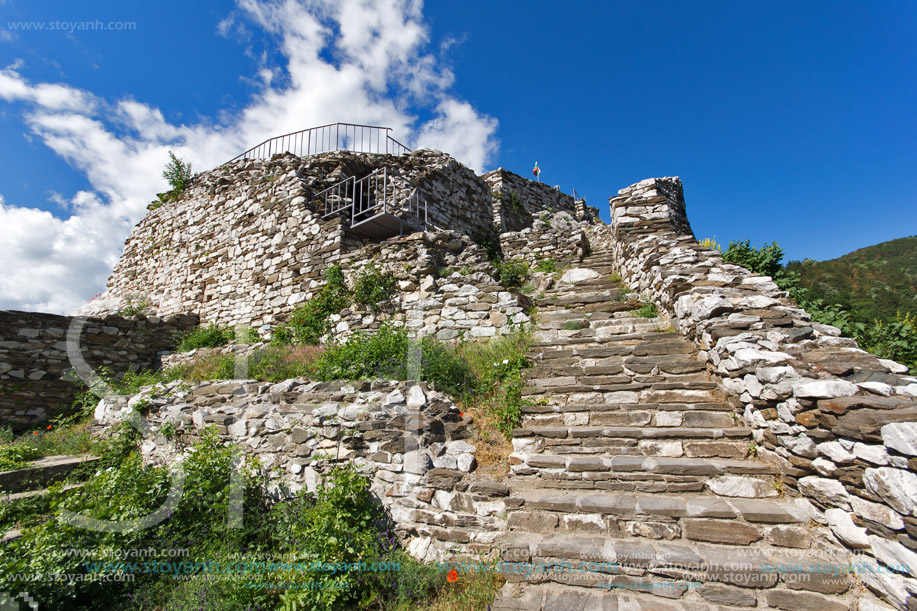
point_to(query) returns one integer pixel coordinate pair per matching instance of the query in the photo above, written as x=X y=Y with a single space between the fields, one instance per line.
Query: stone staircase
x=633 y=486
x=32 y=480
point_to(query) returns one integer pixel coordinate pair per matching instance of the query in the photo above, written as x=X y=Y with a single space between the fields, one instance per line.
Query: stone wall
x=408 y=439
x=841 y=423
x=466 y=303
x=533 y=199
x=34 y=356
x=246 y=243
x=558 y=236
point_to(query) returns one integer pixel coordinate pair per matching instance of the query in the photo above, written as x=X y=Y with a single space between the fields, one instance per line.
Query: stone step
x=573 y=298
x=605 y=381
x=641 y=417
x=548 y=508
x=15 y=533
x=633 y=594
x=40 y=473
x=688 y=573
x=602 y=332
x=604 y=280
x=545 y=318
x=598 y=437
x=602 y=320
x=526 y=461
x=544 y=407
x=606 y=373
x=652 y=344
x=622 y=393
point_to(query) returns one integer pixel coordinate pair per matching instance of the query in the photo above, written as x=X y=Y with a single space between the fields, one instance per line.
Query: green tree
x=177 y=174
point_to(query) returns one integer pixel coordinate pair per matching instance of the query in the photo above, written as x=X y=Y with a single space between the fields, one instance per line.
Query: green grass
x=574 y=325
x=63 y=436
x=648 y=310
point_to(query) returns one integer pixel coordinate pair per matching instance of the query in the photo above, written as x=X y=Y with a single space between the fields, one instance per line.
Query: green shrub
x=246 y=335
x=136 y=307
x=282 y=336
x=574 y=325
x=373 y=286
x=497 y=367
x=211 y=336
x=309 y=321
x=17 y=455
x=130 y=490
x=513 y=273
x=384 y=353
x=278 y=363
x=490 y=242
x=764 y=260
x=507 y=409
x=896 y=340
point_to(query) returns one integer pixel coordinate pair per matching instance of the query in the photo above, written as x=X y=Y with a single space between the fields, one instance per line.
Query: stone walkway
x=634 y=485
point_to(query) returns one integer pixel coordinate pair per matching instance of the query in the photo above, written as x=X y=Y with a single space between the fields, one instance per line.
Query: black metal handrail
x=328 y=138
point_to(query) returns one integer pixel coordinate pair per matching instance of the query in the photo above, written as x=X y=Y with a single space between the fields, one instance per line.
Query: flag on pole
x=537 y=171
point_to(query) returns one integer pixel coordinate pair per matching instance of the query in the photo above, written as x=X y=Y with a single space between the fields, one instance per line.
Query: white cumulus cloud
x=359 y=61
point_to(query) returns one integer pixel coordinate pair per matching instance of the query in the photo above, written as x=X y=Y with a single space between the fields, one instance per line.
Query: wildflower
x=461 y=414
x=35 y=432
x=49 y=428
x=452 y=576
x=506 y=361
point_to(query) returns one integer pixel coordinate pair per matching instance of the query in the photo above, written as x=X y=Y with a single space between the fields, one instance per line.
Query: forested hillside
x=874 y=282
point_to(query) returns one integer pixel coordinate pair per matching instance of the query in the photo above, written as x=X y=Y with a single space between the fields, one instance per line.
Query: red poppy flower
x=452 y=576
x=35 y=432
x=49 y=427
x=461 y=414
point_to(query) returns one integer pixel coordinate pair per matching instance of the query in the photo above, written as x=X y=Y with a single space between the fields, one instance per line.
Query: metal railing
x=328 y=138
x=380 y=192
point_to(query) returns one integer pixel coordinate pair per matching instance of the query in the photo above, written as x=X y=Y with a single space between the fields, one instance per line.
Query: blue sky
x=787 y=121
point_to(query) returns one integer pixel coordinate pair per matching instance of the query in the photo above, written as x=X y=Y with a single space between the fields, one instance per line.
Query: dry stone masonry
x=34 y=356
x=408 y=439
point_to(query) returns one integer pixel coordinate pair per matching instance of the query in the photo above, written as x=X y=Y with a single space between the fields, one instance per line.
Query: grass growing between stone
x=647 y=310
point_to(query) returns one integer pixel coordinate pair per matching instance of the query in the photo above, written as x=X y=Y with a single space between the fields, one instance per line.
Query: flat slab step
x=545 y=407
x=667 y=465
x=570 y=592
x=579 y=432
x=636 y=506
x=42 y=472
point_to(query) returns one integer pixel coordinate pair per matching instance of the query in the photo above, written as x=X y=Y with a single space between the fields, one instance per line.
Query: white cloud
x=46 y=95
x=49 y=263
x=379 y=73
